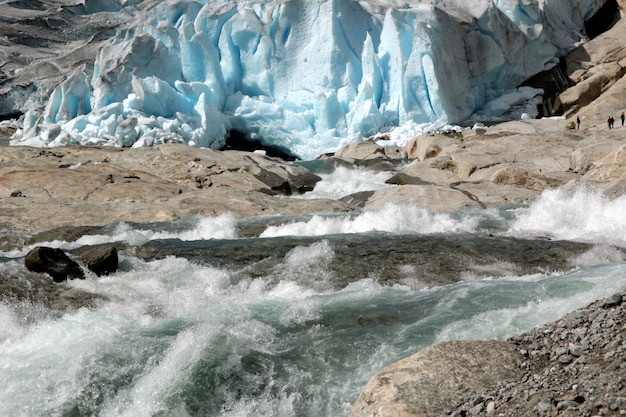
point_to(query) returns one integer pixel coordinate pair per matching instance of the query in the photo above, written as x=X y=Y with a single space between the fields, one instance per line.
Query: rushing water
x=291 y=316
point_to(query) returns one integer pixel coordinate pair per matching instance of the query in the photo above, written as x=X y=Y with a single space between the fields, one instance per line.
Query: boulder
x=529 y=176
x=438 y=170
x=362 y=150
x=488 y=194
x=358 y=199
x=53 y=262
x=423 y=147
x=431 y=381
x=615 y=189
x=466 y=163
x=101 y=259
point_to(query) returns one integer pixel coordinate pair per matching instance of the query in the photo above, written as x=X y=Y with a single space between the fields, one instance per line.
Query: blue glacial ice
x=308 y=76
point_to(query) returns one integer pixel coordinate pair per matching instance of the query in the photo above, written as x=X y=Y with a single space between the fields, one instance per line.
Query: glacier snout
x=306 y=75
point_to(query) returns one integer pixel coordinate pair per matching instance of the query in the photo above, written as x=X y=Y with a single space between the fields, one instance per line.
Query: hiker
x=578 y=121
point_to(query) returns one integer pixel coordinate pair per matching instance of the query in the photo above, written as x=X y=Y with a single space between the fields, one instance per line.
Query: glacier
x=308 y=76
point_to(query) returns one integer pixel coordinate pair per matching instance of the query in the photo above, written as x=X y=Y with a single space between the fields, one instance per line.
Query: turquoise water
x=274 y=331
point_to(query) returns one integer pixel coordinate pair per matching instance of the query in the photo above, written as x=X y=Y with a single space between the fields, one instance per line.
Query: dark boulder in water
x=53 y=262
x=101 y=259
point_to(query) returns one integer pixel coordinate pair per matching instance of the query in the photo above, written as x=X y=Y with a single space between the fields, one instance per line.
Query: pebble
x=573 y=367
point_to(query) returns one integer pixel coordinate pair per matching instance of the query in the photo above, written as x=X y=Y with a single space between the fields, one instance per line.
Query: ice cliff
x=308 y=76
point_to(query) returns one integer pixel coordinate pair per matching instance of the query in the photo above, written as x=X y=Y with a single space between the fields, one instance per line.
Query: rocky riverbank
x=572 y=367
x=509 y=163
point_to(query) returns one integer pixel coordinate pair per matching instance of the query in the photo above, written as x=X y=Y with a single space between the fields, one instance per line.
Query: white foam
x=9 y=324
x=392 y=218
x=204 y=228
x=150 y=392
x=345 y=181
x=582 y=215
x=169 y=317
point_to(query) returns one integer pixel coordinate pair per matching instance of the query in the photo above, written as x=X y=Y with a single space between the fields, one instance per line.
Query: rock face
x=596 y=70
x=573 y=367
x=424 y=384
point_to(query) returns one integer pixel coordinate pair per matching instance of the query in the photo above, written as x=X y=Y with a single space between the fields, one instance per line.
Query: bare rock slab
x=429 y=382
x=91 y=186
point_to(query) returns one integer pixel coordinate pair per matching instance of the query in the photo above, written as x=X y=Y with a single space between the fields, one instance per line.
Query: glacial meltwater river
x=291 y=316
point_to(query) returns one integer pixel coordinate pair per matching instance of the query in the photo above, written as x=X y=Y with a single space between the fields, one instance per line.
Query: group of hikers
x=610 y=122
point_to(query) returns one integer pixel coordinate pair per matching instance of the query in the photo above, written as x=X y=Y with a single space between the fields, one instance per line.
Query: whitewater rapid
x=221 y=317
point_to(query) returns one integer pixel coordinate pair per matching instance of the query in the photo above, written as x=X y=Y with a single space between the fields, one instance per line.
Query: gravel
x=573 y=367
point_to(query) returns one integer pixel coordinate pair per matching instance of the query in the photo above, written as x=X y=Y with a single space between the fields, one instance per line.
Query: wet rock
x=53 y=262
x=438 y=170
x=39 y=289
x=430 y=197
x=435 y=259
x=613 y=301
x=357 y=199
x=66 y=234
x=101 y=260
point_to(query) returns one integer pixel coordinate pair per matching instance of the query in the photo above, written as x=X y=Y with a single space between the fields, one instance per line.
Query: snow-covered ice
x=308 y=75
